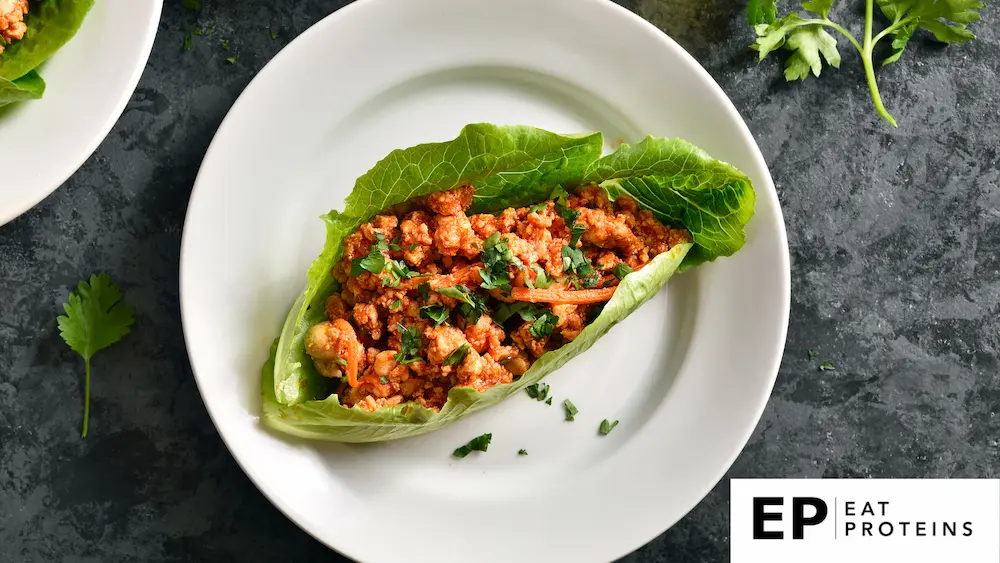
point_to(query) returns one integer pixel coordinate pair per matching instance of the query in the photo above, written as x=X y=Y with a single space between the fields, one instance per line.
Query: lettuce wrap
x=51 y=24
x=509 y=166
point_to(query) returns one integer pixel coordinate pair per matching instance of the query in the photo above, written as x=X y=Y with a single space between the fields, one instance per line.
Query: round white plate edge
x=768 y=191
x=73 y=165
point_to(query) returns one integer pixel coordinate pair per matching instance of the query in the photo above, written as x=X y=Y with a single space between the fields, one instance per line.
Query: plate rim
x=74 y=164
x=759 y=401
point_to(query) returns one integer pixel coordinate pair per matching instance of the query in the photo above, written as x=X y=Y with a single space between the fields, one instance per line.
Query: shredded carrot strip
x=347 y=333
x=563 y=296
x=464 y=275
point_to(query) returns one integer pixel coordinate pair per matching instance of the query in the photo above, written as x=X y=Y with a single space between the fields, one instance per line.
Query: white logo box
x=866 y=520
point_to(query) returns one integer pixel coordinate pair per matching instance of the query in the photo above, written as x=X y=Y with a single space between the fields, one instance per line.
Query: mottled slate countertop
x=895 y=245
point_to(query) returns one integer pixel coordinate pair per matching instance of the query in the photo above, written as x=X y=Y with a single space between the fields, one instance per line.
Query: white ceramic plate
x=88 y=83
x=687 y=375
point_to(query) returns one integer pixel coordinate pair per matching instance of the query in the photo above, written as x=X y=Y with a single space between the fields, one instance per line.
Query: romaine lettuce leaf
x=682 y=185
x=28 y=87
x=509 y=166
x=51 y=23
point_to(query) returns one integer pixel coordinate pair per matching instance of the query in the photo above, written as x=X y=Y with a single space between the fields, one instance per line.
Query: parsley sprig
x=810 y=43
x=96 y=317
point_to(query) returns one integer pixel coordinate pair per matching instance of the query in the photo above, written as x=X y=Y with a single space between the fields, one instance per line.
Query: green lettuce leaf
x=28 y=87
x=328 y=420
x=509 y=166
x=682 y=186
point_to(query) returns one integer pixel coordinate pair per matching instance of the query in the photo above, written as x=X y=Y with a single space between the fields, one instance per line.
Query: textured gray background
x=895 y=244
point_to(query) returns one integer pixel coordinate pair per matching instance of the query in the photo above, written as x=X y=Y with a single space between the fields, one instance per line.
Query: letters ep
x=763 y=511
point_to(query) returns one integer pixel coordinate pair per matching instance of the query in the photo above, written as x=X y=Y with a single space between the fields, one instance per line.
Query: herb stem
x=845 y=33
x=866 y=57
x=896 y=25
x=86 y=396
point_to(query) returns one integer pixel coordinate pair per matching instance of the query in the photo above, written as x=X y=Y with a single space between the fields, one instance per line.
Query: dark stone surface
x=895 y=244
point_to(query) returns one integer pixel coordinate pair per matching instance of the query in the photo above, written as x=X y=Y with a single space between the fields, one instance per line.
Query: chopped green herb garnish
x=538 y=208
x=340 y=362
x=413 y=247
x=397 y=271
x=522 y=452
x=424 y=290
x=504 y=311
x=383 y=380
x=538 y=391
x=548 y=401
x=409 y=343
x=575 y=232
x=577 y=265
x=232 y=60
x=607 y=427
x=542 y=281
x=188 y=43
x=570 y=410
x=497 y=257
x=543 y=326
x=226 y=44
x=198 y=31
x=493 y=281
x=96 y=317
x=374 y=262
x=827 y=366
x=621 y=270
x=395 y=304
x=193 y=5
x=472 y=306
x=812 y=353
x=274 y=35
x=459 y=292
x=456 y=356
x=477 y=444
x=437 y=313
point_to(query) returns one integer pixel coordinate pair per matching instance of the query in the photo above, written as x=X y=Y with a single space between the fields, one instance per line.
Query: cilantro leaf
x=96 y=317
x=621 y=270
x=424 y=290
x=571 y=410
x=437 y=313
x=544 y=325
x=541 y=281
x=827 y=366
x=477 y=444
x=761 y=11
x=607 y=427
x=456 y=356
x=522 y=452
x=472 y=306
x=395 y=305
x=409 y=344
x=538 y=391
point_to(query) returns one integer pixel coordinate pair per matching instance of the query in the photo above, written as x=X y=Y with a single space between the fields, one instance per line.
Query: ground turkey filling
x=12 y=26
x=431 y=298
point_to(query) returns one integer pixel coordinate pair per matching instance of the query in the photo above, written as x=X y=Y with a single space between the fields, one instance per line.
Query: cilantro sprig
x=96 y=317
x=810 y=43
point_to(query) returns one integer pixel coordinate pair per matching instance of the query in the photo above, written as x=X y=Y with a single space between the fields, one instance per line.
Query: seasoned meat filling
x=433 y=298
x=12 y=26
